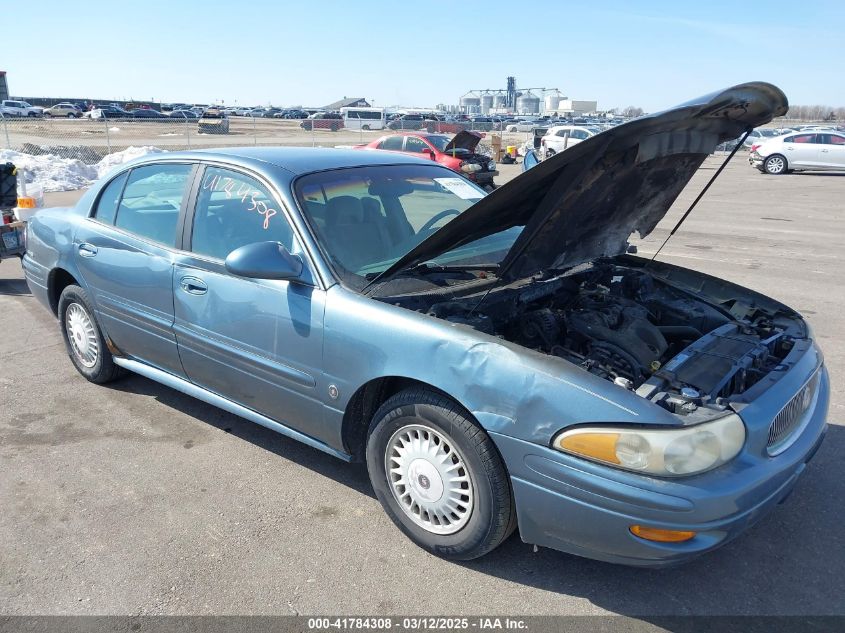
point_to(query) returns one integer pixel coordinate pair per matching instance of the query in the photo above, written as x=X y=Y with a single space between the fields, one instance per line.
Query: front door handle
x=87 y=250
x=824 y=151
x=193 y=285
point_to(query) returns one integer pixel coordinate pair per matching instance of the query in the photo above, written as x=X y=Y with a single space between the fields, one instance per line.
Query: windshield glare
x=439 y=141
x=366 y=218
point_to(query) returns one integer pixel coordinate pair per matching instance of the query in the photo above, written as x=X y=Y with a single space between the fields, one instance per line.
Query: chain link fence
x=85 y=142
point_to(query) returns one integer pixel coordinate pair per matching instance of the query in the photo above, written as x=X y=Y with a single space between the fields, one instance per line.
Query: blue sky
x=651 y=54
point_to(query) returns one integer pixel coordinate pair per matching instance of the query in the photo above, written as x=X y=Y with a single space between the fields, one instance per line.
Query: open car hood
x=463 y=140
x=585 y=202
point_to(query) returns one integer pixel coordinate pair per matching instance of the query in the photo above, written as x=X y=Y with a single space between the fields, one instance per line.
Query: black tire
x=103 y=370
x=492 y=515
x=365 y=127
x=333 y=127
x=775 y=165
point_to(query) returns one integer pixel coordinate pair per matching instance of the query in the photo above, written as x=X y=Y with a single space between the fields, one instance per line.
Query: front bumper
x=575 y=506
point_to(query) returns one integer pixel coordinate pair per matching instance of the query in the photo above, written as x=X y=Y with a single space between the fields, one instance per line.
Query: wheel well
x=363 y=405
x=58 y=280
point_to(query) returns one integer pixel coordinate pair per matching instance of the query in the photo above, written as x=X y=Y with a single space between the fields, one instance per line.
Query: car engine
x=635 y=330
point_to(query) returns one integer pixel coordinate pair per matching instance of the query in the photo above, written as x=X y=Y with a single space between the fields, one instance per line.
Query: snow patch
x=54 y=173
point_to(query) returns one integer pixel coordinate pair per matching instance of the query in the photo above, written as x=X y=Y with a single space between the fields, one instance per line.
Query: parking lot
x=135 y=499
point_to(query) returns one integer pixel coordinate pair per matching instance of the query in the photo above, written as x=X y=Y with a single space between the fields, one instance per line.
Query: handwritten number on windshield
x=244 y=192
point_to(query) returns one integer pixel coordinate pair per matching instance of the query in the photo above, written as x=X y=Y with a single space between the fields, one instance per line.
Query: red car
x=458 y=153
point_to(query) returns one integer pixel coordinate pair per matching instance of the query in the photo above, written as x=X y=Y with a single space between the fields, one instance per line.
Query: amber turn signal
x=661 y=536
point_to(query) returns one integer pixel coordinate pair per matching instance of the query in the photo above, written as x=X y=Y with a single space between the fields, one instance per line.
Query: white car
x=522 y=126
x=10 y=107
x=560 y=137
x=68 y=110
x=800 y=151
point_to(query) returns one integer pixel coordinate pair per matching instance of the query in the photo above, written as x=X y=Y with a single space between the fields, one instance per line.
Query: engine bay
x=669 y=345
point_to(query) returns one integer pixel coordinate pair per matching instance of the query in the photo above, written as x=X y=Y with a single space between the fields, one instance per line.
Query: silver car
x=800 y=151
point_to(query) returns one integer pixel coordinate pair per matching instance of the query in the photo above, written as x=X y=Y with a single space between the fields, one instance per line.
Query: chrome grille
x=791 y=417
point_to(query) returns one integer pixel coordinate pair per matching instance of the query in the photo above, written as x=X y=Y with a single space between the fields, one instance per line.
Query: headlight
x=662 y=452
x=491 y=165
x=470 y=167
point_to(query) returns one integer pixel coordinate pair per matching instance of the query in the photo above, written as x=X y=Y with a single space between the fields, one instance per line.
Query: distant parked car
x=560 y=137
x=214 y=121
x=759 y=135
x=107 y=112
x=800 y=151
x=458 y=153
x=63 y=109
x=412 y=122
x=323 y=121
x=184 y=114
x=521 y=126
x=10 y=107
x=147 y=113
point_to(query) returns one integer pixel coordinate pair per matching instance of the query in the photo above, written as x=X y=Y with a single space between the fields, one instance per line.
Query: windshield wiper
x=428 y=268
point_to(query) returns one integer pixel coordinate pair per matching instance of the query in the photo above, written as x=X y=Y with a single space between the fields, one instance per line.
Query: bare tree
x=632 y=111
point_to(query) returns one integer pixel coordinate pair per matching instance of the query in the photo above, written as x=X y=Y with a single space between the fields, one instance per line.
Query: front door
x=125 y=256
x=256 y=342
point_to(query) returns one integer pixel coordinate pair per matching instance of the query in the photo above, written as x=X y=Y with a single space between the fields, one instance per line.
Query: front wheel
x=85 y=343
x=438 y=475
x=775 y=165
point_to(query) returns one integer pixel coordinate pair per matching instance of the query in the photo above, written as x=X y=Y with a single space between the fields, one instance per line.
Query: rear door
x=256 y=342
x=125 y=253
x=831 y=151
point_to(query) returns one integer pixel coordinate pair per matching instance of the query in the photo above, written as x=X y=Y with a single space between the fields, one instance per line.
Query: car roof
x=295 y=160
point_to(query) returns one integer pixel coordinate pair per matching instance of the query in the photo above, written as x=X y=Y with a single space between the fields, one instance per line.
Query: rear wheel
x=83 y=338
x=775 y=165
x=438 y=475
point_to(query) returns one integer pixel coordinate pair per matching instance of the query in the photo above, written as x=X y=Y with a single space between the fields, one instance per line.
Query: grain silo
x=528 y=104
x=470 y=105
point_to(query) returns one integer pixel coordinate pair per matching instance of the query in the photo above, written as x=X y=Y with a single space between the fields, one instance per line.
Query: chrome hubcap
x=82 y=335
x=429 y=479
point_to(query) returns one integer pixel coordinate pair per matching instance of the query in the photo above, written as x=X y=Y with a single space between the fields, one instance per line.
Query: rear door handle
x=825 y=151
x=193 y=285
x=87 y=250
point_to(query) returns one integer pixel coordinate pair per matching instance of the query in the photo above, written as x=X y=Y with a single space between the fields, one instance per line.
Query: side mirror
x=264 y=260
x=428 y=153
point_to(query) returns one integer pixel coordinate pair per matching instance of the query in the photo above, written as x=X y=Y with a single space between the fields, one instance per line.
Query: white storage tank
x=470 y=104
x=528 y=104
x=486 y=103
x=552 y=102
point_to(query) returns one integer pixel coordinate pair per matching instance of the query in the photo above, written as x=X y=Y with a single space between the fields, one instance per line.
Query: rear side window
x=392 y=142
x=151 y=201
x=802 y=138
x=234 y=210
x=109 y=198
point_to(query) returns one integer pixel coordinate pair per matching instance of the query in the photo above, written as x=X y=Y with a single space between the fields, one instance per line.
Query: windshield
x=439 y=141
x=366 y=218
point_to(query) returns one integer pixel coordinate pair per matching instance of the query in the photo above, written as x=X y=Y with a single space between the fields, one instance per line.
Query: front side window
x=151 y=201
x=416 y=145
x=234 y=210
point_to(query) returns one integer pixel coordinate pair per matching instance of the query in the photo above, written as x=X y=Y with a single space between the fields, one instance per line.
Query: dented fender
x=509 y=389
